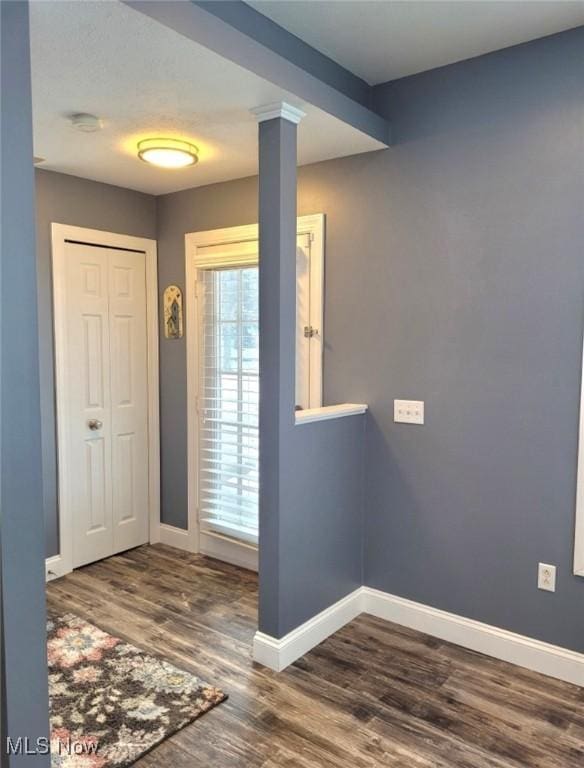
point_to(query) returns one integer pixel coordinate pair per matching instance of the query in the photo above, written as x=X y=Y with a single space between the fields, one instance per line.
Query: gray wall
x=23 y=672
x=472 y=299
x=69 y=200
x=460 y=282
x=454 y=274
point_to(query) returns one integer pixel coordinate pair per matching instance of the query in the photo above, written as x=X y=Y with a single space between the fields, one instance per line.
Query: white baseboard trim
x=55 y=568
x=178 y=538
x=277 y=654
x=502 y=644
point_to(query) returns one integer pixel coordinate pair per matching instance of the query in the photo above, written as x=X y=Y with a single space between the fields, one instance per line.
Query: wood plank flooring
x=374 y=694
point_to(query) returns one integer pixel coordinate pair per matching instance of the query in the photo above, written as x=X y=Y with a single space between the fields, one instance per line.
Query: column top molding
x=278 y=109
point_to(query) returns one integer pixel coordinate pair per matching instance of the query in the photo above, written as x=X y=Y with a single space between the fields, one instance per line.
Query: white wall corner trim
x=276 y=110
x=501 y=644
x=279 y=653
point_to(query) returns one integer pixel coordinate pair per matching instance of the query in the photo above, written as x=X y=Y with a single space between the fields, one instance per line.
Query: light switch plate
x=408 y=411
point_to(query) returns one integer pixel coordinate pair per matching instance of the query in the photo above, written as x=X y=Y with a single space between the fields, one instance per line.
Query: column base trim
x=279 y=653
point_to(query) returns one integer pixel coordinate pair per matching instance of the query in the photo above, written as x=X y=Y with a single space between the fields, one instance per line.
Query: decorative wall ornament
x=173 y=312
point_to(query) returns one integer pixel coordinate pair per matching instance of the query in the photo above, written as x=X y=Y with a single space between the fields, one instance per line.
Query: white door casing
x=106 y=366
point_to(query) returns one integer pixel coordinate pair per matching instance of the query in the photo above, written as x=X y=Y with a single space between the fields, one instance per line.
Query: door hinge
x=309 y=331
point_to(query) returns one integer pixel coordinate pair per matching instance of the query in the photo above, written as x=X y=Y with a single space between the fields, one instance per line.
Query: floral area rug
x=111 y=702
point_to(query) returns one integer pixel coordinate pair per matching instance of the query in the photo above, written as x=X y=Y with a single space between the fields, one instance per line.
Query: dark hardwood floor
x=374 y=694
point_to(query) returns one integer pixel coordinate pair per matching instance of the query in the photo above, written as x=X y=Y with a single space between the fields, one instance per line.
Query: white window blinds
x=229 y=400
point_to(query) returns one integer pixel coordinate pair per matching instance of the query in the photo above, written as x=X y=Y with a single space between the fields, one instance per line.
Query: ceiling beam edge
x=207 y=29
x=261 y=28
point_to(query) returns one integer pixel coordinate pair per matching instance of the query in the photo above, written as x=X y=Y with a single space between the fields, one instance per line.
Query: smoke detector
x=85 y=123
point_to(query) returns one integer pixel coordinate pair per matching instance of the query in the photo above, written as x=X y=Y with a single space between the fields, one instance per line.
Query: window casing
x=223 y=375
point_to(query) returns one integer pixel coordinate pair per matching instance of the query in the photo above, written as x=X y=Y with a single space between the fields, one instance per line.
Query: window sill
x=329 y=412
x=240 y=533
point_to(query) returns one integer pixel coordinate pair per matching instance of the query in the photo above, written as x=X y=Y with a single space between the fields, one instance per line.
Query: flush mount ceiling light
x=168 y=153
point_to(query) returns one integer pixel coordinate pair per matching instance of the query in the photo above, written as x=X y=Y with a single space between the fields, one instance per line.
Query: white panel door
x=107 y=387
x=129 y=398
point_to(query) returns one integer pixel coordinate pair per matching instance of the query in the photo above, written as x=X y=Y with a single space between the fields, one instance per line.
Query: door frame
x=60 y=233
x=216 y=545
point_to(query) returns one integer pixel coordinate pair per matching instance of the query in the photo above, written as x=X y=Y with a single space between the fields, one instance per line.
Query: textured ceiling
x=386 y=39
x=142 y=80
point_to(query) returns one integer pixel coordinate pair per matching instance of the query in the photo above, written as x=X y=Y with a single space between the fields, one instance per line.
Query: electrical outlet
x=408 y=411
x=546 y=577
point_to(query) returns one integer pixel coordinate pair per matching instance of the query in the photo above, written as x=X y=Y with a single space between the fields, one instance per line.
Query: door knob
x=94 y=424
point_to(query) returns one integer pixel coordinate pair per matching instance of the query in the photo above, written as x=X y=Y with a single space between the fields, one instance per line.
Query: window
x=223 y=373
x=229 y=403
